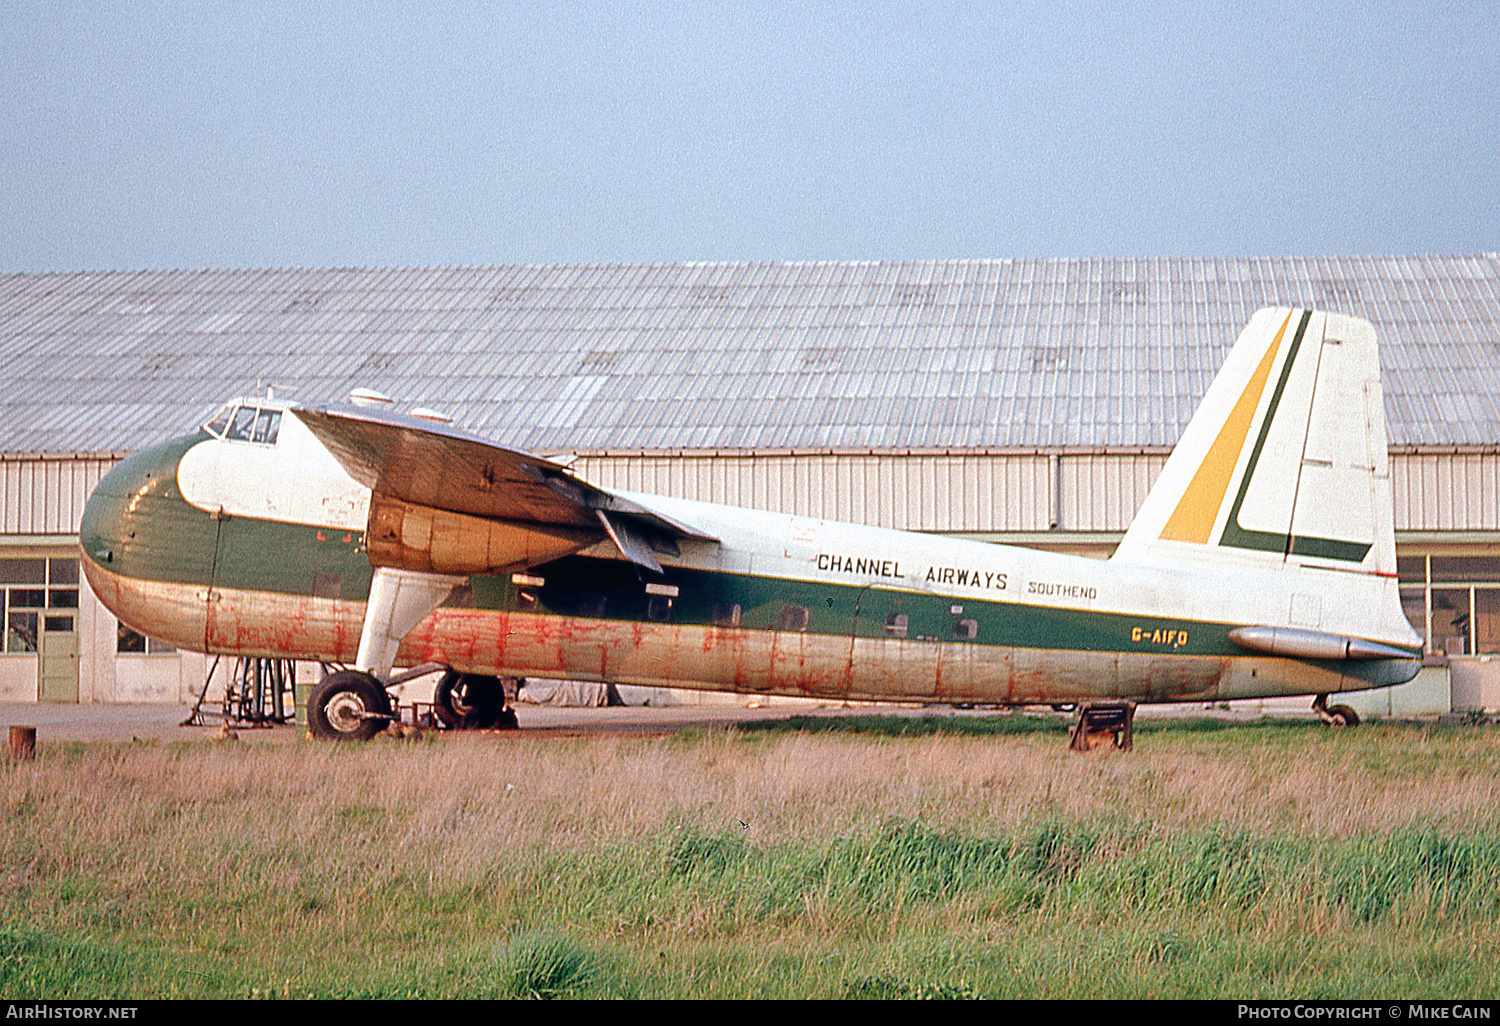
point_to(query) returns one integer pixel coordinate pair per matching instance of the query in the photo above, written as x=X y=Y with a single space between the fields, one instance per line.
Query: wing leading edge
x=447 y=501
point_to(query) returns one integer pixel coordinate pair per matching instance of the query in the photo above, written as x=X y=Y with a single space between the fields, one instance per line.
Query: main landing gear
x=354 y=705
x=472 y=701
x=351 y=705
x=348 y=705
x=1335 y=715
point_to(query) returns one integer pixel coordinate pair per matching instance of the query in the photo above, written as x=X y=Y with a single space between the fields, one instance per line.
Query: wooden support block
x=22 y=744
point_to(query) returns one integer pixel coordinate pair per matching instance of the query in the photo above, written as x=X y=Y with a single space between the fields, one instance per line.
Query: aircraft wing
x=445 y=500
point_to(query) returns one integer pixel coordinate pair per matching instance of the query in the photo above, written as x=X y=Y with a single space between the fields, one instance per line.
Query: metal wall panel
x=983 y=493
x=1102 y=492
x=915 y=493
x=960 y=493
x=46 y=496
x=1446 y=491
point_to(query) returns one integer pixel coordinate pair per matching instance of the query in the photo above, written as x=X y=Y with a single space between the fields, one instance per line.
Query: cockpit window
x=266 y=426
x=242 y=424
x=220 y=421
x=239 y=423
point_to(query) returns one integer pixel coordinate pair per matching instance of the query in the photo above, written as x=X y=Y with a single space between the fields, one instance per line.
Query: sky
x=232 y=134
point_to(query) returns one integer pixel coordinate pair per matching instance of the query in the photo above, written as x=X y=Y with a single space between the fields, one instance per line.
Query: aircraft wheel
x=1342 y=716
x=347 y=706
x=468 y=701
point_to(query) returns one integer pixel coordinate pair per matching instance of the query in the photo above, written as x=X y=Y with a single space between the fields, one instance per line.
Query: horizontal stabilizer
x=1300 y=643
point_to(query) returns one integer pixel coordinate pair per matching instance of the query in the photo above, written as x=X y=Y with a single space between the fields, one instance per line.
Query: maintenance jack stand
x=1098 y=720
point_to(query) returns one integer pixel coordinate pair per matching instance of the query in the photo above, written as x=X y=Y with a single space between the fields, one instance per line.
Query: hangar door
x=41 y=618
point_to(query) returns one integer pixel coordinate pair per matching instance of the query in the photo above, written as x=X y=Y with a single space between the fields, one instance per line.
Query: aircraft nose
x=127 y=502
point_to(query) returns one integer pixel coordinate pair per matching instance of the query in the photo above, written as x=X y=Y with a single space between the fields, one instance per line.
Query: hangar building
x=1022 y=401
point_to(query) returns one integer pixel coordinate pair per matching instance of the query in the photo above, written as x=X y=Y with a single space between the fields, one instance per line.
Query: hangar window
x=128 y=641
x=1453 y=601
x=1450 y=620
x=1487 y=621
x=20 y=631
x=24 y=598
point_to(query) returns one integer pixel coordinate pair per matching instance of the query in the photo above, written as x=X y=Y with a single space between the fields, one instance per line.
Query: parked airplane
x=1261 y=564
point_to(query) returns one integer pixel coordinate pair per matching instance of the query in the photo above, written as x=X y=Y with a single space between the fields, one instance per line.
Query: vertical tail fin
x=1285 y=459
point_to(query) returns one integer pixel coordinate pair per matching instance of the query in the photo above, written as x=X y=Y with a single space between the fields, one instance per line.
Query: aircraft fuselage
x=249 y=549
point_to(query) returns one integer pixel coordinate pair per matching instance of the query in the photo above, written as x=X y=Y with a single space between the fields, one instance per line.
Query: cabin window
x=896 y=624
x=591 y=603
x=965 y=629
x=726 y=614
x=128 y=641
x=328 y=586
x=793 y=618
x=659 y=608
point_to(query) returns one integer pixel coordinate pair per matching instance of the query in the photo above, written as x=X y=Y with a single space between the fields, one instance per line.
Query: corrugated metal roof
x=968 y=353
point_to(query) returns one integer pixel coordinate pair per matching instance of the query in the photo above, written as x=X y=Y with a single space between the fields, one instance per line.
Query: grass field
x=868 y=857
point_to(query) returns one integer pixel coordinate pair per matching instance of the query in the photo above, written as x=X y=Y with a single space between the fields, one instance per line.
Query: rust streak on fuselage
x=511 y=643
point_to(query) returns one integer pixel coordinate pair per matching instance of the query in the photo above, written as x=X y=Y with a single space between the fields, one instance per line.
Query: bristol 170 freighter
x=1261 y=564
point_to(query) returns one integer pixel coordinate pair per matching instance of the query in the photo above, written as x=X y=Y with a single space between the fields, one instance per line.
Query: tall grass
x=864 y=863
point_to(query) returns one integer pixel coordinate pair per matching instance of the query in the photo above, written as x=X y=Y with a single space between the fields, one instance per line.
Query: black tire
x=1342 y=716
x=348 y=706
x=468 y=701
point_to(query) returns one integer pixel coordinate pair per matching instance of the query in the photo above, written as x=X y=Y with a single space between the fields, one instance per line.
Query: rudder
x=1285 y=458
